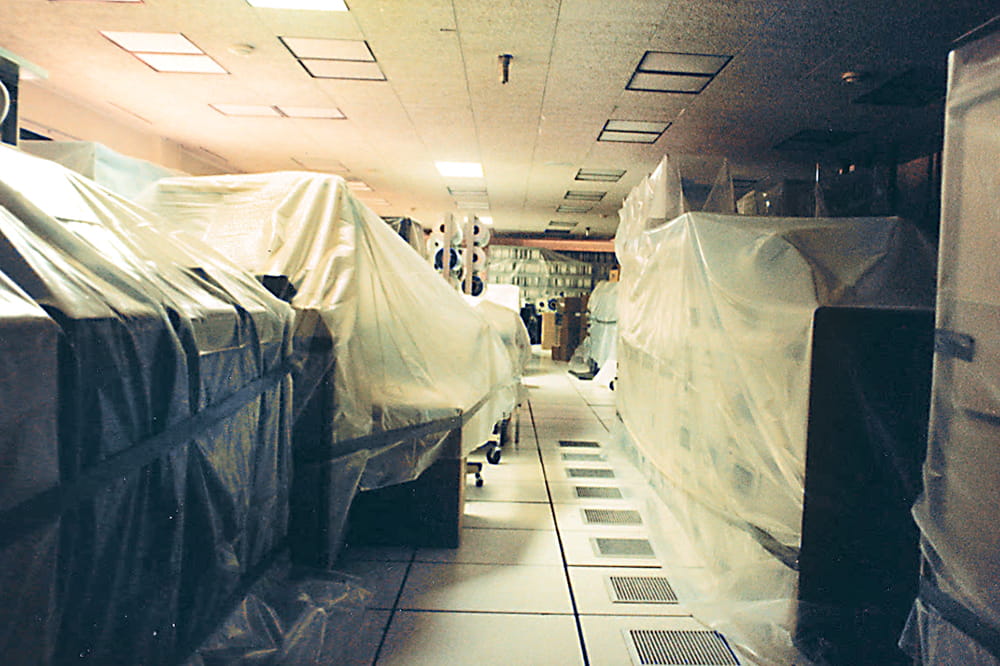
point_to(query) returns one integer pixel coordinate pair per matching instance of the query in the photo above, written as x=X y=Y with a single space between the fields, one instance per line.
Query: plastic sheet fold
x=389 y=359
x=123 y=175
x=172 y=423
x=291 y=615
x=957 y=617
x=406 y=347
x=716 y=323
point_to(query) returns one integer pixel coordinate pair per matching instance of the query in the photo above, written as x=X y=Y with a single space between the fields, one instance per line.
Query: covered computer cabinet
x=956 y=618
x=147 y=441
x=394 y=371
x=773 y=378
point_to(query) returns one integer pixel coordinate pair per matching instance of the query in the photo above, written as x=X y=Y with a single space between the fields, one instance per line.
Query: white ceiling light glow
x=153 y=42
x=166 y=51
x=185 y=64
x=460 y=169
x=247 y=110
x=314 y=5
x=313 y=112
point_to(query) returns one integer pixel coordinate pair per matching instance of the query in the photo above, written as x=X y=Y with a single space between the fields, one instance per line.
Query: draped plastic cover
x=29 y=464
x=123 y=175
x=715 y=317
x=958 y=512
x=290 y=616
x=171 y=408
x=603 y=322
x=511 y=328
x=407 y=348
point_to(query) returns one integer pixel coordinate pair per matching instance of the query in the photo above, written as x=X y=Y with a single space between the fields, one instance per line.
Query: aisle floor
x=557 y=563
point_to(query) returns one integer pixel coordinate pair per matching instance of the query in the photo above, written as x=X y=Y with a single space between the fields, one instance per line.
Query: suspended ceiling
x=442 y=100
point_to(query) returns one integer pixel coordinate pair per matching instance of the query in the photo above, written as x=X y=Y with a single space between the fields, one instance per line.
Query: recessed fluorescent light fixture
x=561 y=224
x=467 y=192
x=485 y=219
x=583 y=195
x=153 y=42
x=690 y=73
x=460 y=169
x=632 y=131
x=472 y=205
x=316 y=5
x=313 y=112
x=343 y=69
x=815 y=140
x=185 y=64
x=565 y=208
x=557 y=232
x=307 y=48
x=359 y=186
x=600 y=175
x=374 y=201
x=132 y=1
x=247 y=110
x=166 y=51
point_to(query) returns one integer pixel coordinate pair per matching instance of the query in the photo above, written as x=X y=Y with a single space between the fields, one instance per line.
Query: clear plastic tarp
x=715 y=321
x=171 y=438
x=407 y=349
x=123 y=175
x=603 y=322
x=508 y=324
x=957 y=618
x=291 y=615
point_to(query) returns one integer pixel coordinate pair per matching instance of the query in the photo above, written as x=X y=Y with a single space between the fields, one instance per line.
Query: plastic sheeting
x=407 y=349
x=507 y=323
x=290 y=616
x=958 y=512
x=123 y=175
x=173 y=424
x=603 y=322
x=29 y=464
x=715 y=332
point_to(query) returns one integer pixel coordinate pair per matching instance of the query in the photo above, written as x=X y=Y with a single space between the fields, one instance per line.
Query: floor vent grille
x=598 y=492
x=583 y=457
x=590 y=473
x=612 y=517
x=610 y=547
x=659 y=647
x=641 y=590
x=579 y=444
